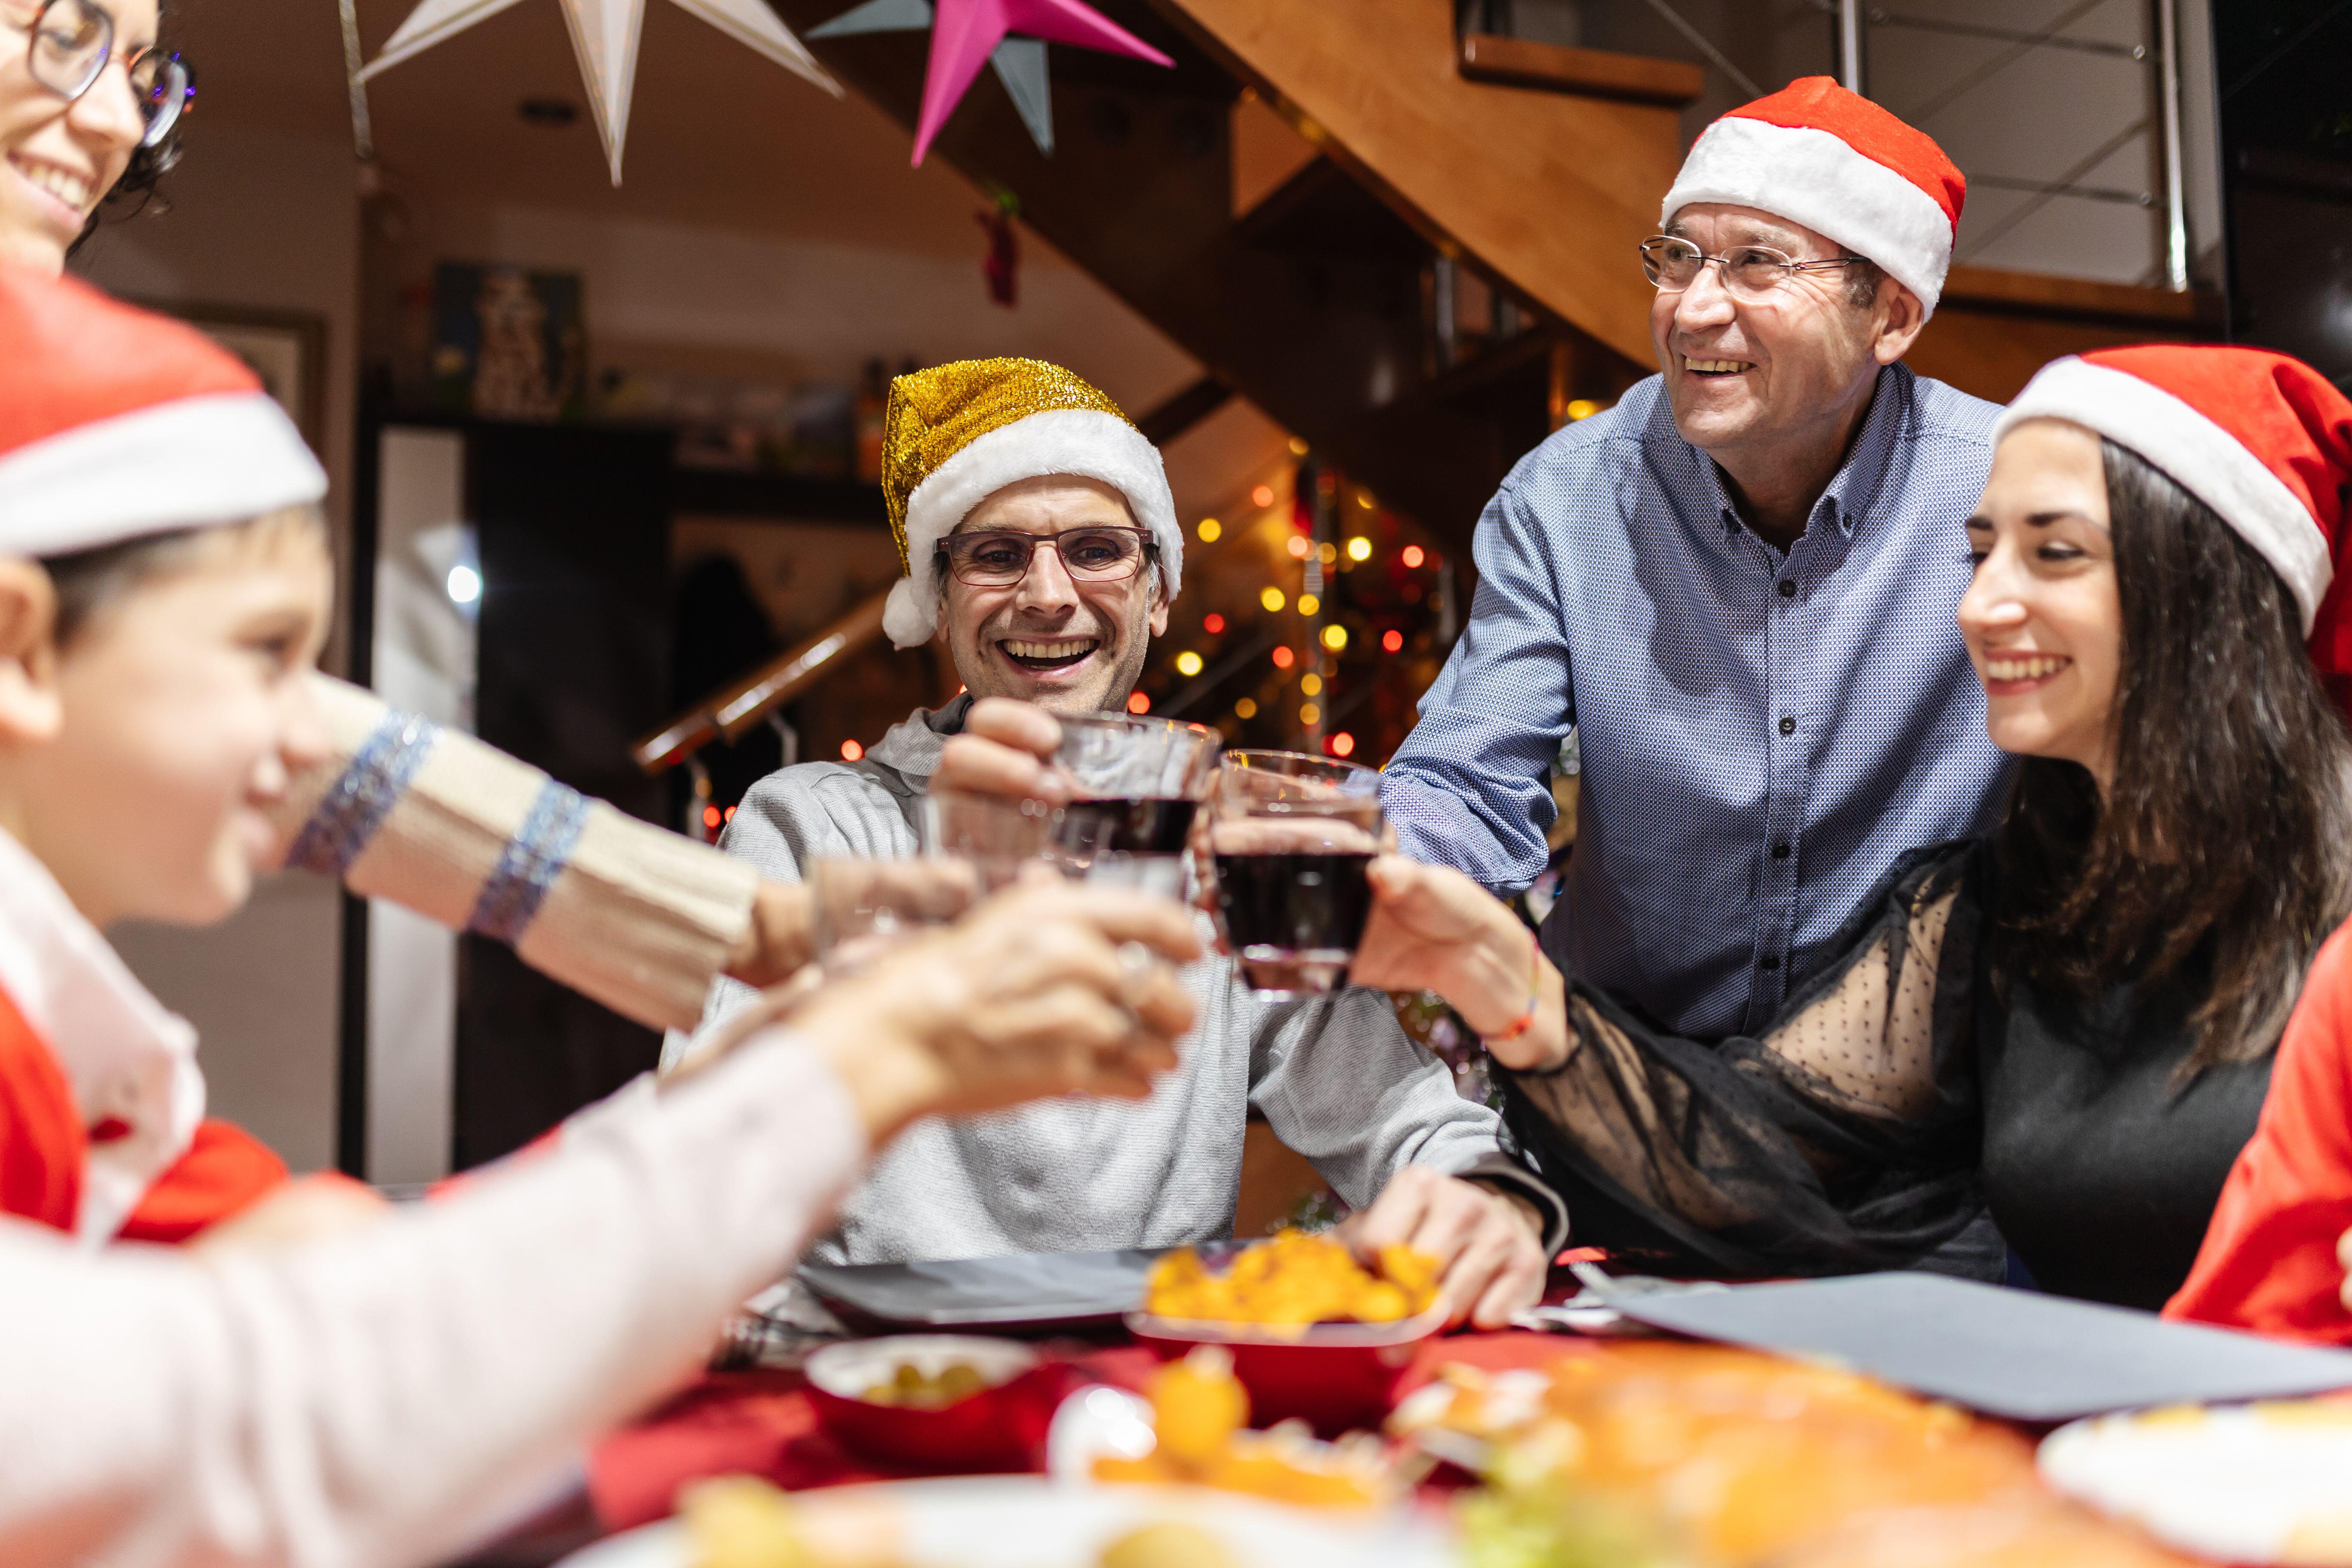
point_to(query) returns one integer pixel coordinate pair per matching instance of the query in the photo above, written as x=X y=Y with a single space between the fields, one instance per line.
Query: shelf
x=718 y=492
x=2079 y=298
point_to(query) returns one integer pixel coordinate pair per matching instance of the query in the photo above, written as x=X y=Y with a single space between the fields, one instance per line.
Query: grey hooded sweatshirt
x=1335 y=1077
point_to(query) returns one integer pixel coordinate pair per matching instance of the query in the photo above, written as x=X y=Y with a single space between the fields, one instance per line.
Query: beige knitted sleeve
x=635 y=917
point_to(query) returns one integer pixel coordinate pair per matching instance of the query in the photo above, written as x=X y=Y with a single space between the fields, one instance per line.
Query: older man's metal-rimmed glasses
x=1750 y=271
x=68 y=47
x=999 y=558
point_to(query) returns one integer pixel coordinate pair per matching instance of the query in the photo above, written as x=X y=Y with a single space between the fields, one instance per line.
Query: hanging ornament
x=604 y=39
x=1001 y=268
x=1019 y=63
x=965 y=33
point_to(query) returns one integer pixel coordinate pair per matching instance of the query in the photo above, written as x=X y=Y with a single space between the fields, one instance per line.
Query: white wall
x=265 y=222
x=672 y=296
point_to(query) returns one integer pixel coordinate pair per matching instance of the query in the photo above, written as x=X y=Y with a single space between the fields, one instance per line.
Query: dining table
x=762 y=1422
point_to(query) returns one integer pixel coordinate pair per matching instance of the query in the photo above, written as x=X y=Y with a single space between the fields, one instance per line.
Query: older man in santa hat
x=1734 y=587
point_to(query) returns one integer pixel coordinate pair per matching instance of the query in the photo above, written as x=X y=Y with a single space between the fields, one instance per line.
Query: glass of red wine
x=1135 y=787
x=1293 y=836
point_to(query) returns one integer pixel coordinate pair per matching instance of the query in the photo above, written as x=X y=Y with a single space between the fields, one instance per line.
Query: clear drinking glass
x=1293 y=836
x=997 y=837
x=854 y=901
x=1136 y=788
x=970 y=847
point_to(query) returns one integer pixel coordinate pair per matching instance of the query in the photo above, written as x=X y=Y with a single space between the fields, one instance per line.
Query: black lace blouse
x=1894 y=1104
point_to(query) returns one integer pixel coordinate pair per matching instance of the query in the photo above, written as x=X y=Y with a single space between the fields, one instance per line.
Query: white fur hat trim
x=220 y=457
x=1081 y=441
x=2201 y=456
x=1814 y=178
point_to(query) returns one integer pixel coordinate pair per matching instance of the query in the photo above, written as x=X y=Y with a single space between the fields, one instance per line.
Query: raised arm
x=370 y=1399
x=1470 y=786
x=639 y=918
x=1746 y=1155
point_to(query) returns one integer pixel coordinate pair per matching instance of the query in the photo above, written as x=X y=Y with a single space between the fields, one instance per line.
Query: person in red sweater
x=2276 y=1254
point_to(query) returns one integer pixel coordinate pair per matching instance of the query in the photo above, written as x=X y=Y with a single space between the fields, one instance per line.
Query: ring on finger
x=1135 y=964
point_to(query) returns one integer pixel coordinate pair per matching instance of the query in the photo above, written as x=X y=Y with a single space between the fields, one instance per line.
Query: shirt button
x=1787 y=587
x=1787 y=725
x=1767 y=963
x=1780 y=852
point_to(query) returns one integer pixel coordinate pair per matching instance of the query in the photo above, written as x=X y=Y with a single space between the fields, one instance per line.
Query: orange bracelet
x=1527 y=1020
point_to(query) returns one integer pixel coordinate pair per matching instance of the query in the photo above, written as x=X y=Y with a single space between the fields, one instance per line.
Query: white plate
x=2259 y=1483
x=1028 y=1521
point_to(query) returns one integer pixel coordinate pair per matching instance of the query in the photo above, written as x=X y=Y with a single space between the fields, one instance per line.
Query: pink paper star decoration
x=966 y=31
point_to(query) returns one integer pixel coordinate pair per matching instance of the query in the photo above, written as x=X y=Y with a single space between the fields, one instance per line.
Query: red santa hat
x=1832 y=159
x=2264 y=439
x=115 y=422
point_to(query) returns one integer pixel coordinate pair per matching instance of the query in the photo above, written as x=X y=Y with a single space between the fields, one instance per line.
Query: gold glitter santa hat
x=956 y=434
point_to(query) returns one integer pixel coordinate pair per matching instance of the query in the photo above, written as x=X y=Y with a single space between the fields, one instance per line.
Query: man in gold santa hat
x=1040 y=542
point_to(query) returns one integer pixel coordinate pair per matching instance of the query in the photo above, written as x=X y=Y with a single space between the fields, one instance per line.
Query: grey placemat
x=1031 y=1289
x=2010 y=1354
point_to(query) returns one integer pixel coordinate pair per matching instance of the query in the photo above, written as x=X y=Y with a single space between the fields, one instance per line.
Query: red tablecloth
x=763 y=1423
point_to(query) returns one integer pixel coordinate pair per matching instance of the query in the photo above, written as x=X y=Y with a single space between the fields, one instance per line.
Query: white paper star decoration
x=604 y=38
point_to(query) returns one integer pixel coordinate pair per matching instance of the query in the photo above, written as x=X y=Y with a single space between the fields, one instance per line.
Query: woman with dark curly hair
x=87 y=103
x=2069 y=1025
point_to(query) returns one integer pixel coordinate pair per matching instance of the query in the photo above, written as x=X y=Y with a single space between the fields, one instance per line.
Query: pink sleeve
x=2269 y=1259
x=367 y=1400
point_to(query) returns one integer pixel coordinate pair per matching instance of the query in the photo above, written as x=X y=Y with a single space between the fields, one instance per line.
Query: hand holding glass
x=1135 y=786
x=1294 y=836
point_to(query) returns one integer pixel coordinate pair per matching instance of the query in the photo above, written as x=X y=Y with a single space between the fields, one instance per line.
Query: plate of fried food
x=2266 y=1482
x=1005 y=1522
x=1315 y=1333
x=1645 y=1453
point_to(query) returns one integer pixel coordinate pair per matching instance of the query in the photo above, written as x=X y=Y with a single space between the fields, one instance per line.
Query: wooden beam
x=1183 y=409
x=1267 y=152
x=1551 y=192
x=729 y=711
x=1555 y=67
x=2081 y=298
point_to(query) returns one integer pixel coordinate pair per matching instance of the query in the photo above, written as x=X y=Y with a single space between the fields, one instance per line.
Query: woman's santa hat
x=1838 y=164
x=115 y=422
x=2264 y=439
x=956 y=434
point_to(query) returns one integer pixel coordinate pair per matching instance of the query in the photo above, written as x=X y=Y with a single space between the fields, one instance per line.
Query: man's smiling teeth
x=68 y=188
x=2031 y=669
x=1049 y=649
x=1705 y=365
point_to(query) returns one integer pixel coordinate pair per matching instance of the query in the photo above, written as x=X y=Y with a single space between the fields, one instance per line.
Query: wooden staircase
x=1302 y=201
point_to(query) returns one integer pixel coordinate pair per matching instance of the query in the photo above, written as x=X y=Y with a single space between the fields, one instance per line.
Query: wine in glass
x=1293 y=836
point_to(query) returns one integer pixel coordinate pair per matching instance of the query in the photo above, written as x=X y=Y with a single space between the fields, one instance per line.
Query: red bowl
x=1337 y=1377
x=1003 y=1427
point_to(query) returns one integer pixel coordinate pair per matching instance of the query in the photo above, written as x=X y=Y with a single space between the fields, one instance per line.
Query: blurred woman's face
x=2042 y=619
x=58 y=158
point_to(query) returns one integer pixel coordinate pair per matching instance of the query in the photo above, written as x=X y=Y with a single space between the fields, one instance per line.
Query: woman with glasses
x=87 y=102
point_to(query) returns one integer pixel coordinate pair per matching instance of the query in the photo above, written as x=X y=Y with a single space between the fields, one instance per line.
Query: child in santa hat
x=370 y=1398
x=114 y=435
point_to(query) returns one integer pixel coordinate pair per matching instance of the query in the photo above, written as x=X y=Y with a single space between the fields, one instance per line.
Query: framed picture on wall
x=286 y=349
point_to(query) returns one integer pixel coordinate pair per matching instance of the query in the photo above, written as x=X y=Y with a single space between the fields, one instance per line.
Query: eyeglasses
x=999 y=559
x=1750 y=271
x=66 y=50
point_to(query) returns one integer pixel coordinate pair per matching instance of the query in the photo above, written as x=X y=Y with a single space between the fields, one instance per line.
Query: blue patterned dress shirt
x=1761 y=734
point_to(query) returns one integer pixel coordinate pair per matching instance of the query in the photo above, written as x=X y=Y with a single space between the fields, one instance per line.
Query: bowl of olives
x=954 y=1402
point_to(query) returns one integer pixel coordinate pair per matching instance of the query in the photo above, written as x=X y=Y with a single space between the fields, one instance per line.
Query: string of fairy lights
x=1339 y=595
